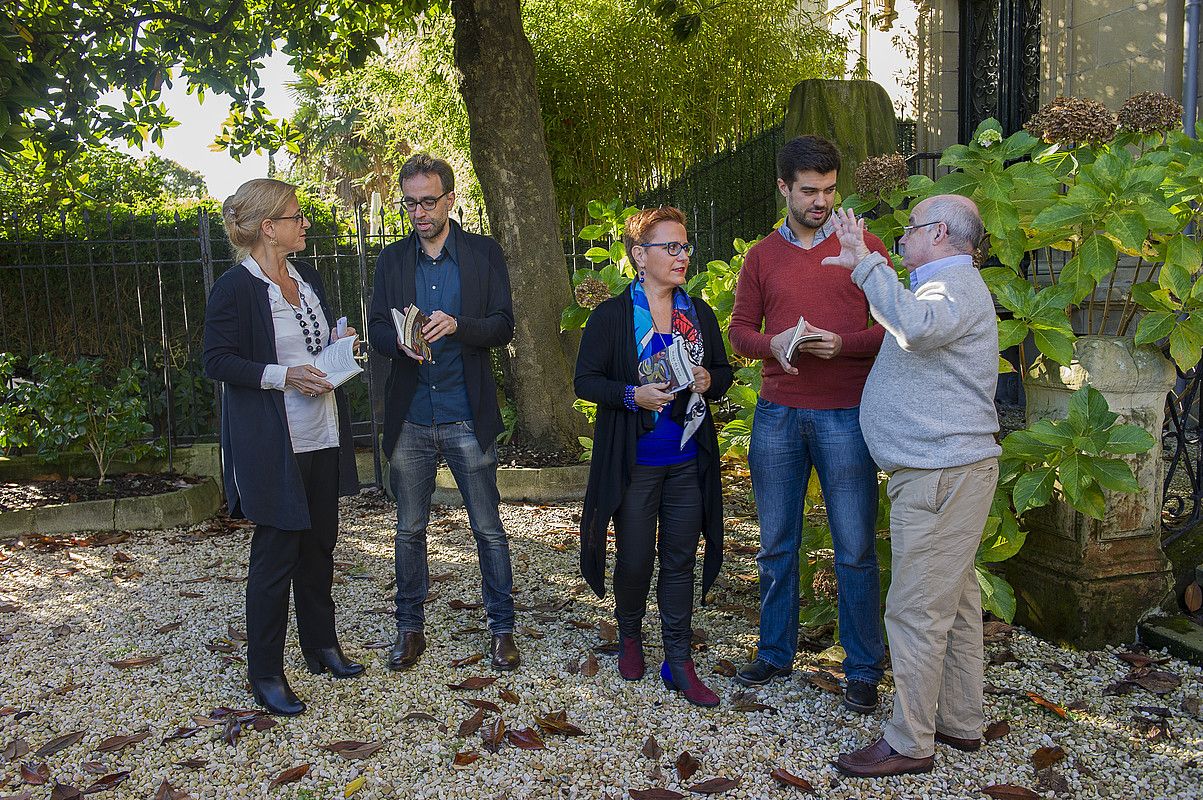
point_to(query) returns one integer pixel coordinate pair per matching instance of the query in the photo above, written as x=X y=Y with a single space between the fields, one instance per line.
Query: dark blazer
x=262 y=480
x=486 y=320
x=606 y=365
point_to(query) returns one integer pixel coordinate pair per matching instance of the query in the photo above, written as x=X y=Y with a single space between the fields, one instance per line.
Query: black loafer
x=760 y=672
x=860 y=697
x=332 y=660
x=503 y=652
x=406 y=651
x=276 y=696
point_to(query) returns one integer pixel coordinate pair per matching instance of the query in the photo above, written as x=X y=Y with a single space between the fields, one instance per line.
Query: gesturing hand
x=652 y=396
x=307 y=379
x=851 y=233
x=441 y=324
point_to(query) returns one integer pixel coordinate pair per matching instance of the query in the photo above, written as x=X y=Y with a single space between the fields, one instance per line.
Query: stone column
x=1080 y=580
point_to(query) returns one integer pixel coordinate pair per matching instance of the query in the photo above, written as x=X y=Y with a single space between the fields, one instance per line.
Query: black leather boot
x=274 y=694
x=406 y=651
x=332 y=660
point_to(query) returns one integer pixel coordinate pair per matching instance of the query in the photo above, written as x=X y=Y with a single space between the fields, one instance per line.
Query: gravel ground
x=65 y=614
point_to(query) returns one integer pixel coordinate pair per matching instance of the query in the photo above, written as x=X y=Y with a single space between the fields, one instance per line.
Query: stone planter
x=1079 y=580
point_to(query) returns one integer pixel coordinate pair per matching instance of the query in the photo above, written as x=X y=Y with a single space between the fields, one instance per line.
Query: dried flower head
x=591 y=293
x=1072 y=121
x=982 y=253
x=1150 y=112
x=877 y=175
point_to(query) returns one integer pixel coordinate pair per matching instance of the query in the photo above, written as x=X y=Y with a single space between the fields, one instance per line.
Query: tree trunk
x=509 y=155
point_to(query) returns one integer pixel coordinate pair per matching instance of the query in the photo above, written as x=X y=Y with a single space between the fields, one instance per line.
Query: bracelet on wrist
x=628 y=399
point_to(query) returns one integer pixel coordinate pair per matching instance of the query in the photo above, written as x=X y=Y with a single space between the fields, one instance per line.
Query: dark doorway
x=1000 y=63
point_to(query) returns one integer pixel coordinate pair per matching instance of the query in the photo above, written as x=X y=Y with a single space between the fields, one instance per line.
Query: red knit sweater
x=778 y=283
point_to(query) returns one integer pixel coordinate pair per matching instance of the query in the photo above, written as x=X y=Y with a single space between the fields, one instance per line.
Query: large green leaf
x=1113 y=474
x=1033 y=489
x=1176 y=279
x=1152 y=297
x=1154 y=327
x=1055 y=344
x=998 y=215
x=997 y=595
x=1129 y=439
x=1185 y=252
x=1129 y=228
x=1011 y=332
x=955 y=183
x=1156 y=215
x=1098 y=256
x=1062 y=215
x=1185 y=348
x=1091 y=501
x=1070 y=474
x=574 y=318
x=1028 y=445
x=1088 y=406
x=1051 y=432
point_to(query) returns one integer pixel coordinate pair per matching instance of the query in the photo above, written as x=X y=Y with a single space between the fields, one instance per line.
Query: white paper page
x=337 y=360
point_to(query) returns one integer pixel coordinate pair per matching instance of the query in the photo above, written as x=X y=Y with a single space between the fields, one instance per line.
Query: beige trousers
x=934 y=606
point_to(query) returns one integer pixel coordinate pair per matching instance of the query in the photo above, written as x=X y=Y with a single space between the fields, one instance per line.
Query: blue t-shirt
x=661 y=446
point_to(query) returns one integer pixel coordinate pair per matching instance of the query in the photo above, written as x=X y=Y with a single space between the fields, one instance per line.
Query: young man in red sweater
x=807 y=416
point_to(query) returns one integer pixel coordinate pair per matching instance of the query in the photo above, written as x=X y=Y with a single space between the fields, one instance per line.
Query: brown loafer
x=879 y=760
x=967 y=745
x=503 y=652
x=406 y=651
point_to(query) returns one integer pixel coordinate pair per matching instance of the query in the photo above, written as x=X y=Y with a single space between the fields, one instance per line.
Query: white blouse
x=312 y=421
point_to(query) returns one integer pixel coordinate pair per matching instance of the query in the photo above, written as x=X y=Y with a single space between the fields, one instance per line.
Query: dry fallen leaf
x=136 y=661
x=169 y=627
x=1007 y=791
x=655 y=794
x=725 y=668
x=789 y=779
x=460 y=605
x=510 y=696
x=464 y=758
x=122 y=558
x=168 y=792
x=589 y=666
x=557 y=722
x=467 y=660
x=714 y=786
x=652 y=749
x=422 y=715
x=686 y=766
x=107 y=782
x=115 y=744
x=1047 y=756
x=472 y=724
x=493 y=735
x=354 y=786
x=746 y=701
x=607 y=631
x=61 y=791
x=487 y=705
x=94 y=768
x=525 y=739
x=35 y=774
x=472 y=684
x=1048 y=704
x=58 y=743
x=192 y=763
x=17 y=748
x=825 y=681
x=1157 y=681
x=289 y=776
x=996 y=730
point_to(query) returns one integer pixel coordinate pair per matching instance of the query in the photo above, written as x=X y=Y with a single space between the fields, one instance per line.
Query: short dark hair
x=426 y=164
x=806 y=154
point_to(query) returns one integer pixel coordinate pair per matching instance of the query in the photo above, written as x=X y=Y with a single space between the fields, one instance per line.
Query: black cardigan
x=607 y=363
x=486 y=320
x=262 y=480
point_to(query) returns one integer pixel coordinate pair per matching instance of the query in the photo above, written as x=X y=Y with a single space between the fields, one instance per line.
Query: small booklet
x=409 y=330
x=337 y=360
x=800 y=337
x=671 y=365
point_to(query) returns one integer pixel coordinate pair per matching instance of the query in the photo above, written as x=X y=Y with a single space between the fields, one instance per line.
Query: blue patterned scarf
x=685 y=328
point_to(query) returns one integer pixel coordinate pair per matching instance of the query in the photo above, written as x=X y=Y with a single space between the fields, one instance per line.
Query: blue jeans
x=786 y=443
x=412 y=471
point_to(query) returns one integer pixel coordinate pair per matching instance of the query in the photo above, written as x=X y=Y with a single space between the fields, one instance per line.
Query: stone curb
x=155 y=512
x=515 y=484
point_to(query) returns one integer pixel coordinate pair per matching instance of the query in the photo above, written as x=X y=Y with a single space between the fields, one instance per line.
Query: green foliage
x=85 y=406
x=16 y=420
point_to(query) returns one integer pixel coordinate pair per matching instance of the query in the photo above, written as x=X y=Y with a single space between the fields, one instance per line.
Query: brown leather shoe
x=503 y=652
x=967 y=745
x=406 y=651
x=879 y=760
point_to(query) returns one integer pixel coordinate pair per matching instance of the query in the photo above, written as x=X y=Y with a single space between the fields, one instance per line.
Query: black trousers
x=671 y=497
x=300 y=560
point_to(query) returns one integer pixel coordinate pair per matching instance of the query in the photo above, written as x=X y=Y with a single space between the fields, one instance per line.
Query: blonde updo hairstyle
x=244 y=211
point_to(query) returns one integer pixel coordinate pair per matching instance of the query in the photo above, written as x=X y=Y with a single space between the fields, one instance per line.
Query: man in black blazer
x=445 y=406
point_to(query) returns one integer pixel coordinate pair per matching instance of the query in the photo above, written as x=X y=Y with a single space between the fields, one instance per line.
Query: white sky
x=189 y=143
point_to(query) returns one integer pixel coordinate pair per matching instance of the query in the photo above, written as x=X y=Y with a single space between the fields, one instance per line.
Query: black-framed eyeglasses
x=909 y=228
x=672 y=248
x=298 y=218
x=427 y=203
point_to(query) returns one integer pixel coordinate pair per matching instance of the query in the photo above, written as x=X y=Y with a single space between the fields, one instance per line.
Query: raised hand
x=851 y=233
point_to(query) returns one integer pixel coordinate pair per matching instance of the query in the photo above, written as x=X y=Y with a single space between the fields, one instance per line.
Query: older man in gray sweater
x=929 y=420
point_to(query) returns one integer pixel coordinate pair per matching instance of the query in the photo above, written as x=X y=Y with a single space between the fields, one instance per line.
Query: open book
x=409 y=330
x=670 y=365
x=337 y=360
x=800 y=337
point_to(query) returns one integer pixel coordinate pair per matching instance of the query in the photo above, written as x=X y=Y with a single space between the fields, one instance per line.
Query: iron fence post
x=363 y=315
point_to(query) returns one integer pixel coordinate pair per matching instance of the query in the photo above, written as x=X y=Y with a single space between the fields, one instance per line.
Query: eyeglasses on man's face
x=909 y=228
x=672 y=248
x=428 y=203
x=298 y=218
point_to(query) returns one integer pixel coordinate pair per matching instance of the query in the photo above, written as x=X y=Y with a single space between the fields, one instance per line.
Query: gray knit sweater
x=929 y=400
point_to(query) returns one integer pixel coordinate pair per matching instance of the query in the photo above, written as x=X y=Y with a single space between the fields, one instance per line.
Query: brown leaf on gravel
x=525 y=739
x=607 y=648
x=460 y=605
x=530 y=633
x=651 y=749
x=1157 y=681
x=24 y=795
x=1007 y=791
x=1047 y=704
x=493 y=735
x=192 y=763
x=115 y=744
x=441 y=576
x=342 y=744
x=107 y=782
x=557 y=722
x=472 y=724
x=472 y=684
x=422 y=715
x=58 y=743
x=136 y=661
x=510 y=696
x=263 y=723
x=363 y=751
x=714 y=786
x=183 y=732
x=487 y=705
x=62 y=791
x=191 y=594
x=607 y=631
x=1047 y=756
x=576 y=623
x=289 y=776
x=464 y=758
x=93 y=768
x=17 y=748
x=59 y=691
x=787 y=778
x=572 y=667
x=221 y=646
x=825 y=681
x=1139 y=660
x=589 y=666
x=235 y=634
x=12 y=608
x=35 y=774
x=747 y=702
x=168 y=792
x=467 y=660
x=725 y=668
x=994 y=630
x=996 y=730
x=686 y=766
x=169 y=627
x=655 y=794
x=122 y=558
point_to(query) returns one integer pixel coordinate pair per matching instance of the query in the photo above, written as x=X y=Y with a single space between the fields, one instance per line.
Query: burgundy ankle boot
x=631 y=665
x=683 y=678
